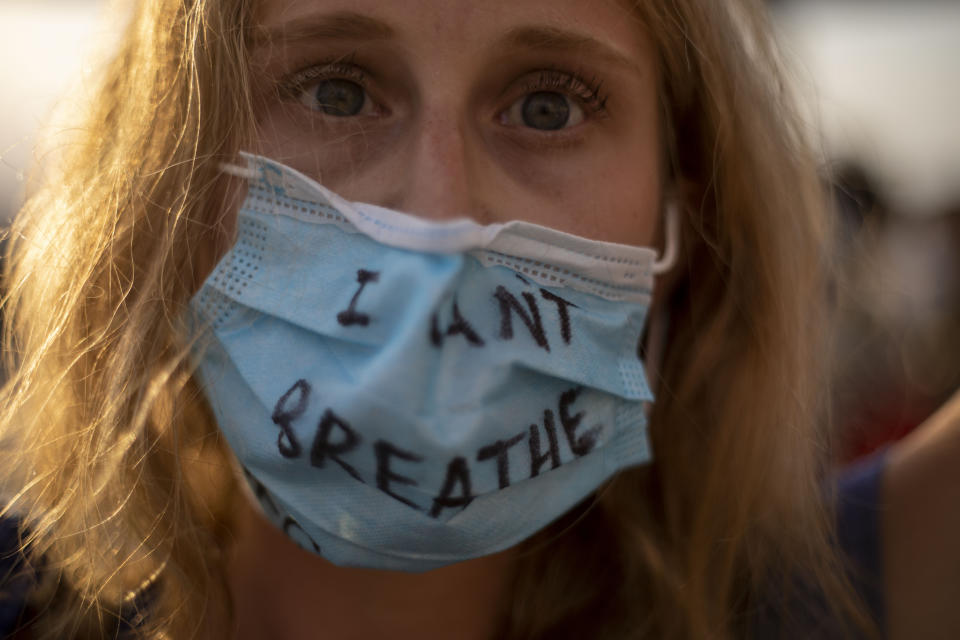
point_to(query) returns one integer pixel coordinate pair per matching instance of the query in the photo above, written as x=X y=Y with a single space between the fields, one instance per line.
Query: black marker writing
x=260 y=491
x=284 y=415
x=383 y=451
x=289 y=523
x=584 y=444
x=338 y=441
x=351 y=316
x=323 y=446
x=500 y=450
x=538 y=459
x=458 y=473
x=562 y=312
x=510 y=305
x=459 y=326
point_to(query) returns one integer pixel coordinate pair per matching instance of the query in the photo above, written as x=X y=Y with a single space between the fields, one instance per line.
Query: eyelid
x=292 y=85
x=588 y=93
x=571 y=83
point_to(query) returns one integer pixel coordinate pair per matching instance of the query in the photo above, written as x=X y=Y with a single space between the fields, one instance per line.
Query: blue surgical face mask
x=404 y=394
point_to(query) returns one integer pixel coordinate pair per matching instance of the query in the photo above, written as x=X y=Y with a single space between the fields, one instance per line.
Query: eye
x=552 y=100
x=335 y=97
x=336 y=88
x=544 y=111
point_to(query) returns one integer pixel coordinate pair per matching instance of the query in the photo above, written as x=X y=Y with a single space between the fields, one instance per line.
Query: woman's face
x=537 y=110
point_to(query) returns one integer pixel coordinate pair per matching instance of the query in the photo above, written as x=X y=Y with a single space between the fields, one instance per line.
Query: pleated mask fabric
x=405 y=394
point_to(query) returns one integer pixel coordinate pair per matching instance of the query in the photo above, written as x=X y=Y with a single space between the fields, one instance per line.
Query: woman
x=593 y=120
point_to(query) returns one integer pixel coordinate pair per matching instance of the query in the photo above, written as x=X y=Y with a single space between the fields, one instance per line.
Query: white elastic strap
x=239 y=171
x=672 y=248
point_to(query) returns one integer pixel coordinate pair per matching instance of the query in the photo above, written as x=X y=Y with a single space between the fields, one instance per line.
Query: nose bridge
x=439 y=173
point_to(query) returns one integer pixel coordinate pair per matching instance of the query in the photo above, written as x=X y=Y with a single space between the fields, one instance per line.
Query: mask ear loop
x=658 y=329
x=672 y=248
x=239 y=171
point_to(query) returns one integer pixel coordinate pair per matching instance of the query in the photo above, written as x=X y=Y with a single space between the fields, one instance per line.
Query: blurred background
x=880 y=87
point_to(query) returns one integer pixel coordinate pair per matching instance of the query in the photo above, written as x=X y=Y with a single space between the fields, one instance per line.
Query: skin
x=437 y=137
x=921 y=530
x=441 y=134
x=287 y=593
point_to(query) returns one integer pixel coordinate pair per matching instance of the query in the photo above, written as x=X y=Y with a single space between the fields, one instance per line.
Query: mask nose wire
x=672 y=248
x=661 y=266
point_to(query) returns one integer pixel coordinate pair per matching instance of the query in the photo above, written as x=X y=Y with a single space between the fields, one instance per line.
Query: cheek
x=627 y=192
x=341 y=162
x=623 y=206
x=620 y=183
x=609 y=191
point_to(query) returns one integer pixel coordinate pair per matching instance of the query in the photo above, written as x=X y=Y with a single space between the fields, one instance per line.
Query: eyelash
x=588 y=92
x=291 y=86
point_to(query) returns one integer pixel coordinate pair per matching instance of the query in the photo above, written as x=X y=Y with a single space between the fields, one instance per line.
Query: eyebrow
x=340 y=25
x=553 y=39
x=350 y=25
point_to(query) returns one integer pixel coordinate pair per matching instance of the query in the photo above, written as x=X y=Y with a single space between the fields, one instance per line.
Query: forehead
x=450 y=27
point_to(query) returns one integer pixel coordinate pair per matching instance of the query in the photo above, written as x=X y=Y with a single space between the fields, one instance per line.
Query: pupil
x=338 y=97
x=545 y=110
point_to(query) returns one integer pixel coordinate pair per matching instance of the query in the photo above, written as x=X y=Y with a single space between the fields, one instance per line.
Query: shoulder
x=921 y=529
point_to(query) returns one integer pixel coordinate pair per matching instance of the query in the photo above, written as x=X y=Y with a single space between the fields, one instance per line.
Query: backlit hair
x=115 y=463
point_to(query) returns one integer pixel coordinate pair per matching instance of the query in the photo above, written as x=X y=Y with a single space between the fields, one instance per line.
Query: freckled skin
x=439 y=140
x=442 y=150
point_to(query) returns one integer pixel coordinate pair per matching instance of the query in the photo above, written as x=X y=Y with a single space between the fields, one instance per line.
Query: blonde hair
x=113 y=450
